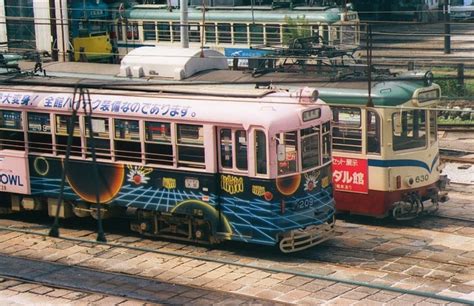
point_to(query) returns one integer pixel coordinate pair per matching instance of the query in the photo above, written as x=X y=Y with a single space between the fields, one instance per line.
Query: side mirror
x=281 y=152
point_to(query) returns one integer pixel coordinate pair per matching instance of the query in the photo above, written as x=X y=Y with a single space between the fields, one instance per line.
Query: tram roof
x=350 y=92
x=168 y=62
x=391 y=93
x=232 y=15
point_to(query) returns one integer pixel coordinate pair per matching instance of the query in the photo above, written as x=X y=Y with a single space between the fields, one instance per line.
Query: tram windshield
x=409 y=130
x=302 y=150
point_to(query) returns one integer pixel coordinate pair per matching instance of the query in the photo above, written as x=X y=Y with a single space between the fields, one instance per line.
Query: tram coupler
x=409 y=208
x=442 y=182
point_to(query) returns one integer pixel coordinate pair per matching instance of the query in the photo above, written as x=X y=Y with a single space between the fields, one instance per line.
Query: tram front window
x=409 y=130
x=310 y=152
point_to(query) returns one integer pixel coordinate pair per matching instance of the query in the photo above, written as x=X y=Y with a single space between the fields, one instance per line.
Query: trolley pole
x=184 y=23
x=447 y=27
x=369 y=65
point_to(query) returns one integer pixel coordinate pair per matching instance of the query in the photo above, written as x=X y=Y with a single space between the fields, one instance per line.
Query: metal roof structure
x=169 y=62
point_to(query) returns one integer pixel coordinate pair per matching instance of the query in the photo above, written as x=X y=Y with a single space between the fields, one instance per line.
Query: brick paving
x=430 y=254
x=110 y=289
x=152 y=273
x=24 y=293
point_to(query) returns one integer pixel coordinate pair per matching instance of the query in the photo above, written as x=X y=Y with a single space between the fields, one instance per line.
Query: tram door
x=233 y=179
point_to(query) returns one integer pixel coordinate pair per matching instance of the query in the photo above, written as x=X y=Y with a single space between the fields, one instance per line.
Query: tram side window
x=210 y=32
x=101 y=132
x=149 y=31
x=226 y=148
x=164 y=33
x=346 y=134
x=240 y=33
x=349 y=36
x=132 y=31
x=12 y=136
x=409 y=129
x=288 y=153
x=158 y=146
x=62 y=133
x=241 y=150
x=327 y=147
x=256 y=34
x=39 y=133
x=190 y=146
x=127 y=140
x=433 y=126
x=176 y=27
x=194 y=32
x=261 y=152
x=373 y=132
x=224 y=33
x=273 y=34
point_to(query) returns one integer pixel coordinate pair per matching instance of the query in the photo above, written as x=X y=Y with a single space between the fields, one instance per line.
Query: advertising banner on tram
x=14 y=175
x=350 y=174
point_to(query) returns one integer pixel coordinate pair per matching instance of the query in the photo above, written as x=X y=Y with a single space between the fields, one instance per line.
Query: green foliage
x=296 y=28
x=450 y=88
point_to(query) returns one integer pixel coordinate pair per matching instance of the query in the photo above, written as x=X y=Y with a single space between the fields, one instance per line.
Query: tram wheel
x=203 y=232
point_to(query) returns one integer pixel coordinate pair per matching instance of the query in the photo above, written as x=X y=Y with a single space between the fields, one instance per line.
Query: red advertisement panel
x=350 y=174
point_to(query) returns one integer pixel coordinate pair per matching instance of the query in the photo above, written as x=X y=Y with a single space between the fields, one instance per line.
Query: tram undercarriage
x=174 y=226
x=413 y=204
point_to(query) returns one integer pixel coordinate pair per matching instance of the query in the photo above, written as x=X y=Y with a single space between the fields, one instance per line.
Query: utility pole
x=447 y=27
x=184 y=23
x=54 y=30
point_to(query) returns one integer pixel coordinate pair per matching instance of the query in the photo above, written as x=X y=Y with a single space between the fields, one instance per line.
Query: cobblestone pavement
x=15 y=292
x=460 y=203
x=76 y=283
x=282 y=287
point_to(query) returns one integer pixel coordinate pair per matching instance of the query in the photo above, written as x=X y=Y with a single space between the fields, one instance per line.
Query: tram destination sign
x=429 y=95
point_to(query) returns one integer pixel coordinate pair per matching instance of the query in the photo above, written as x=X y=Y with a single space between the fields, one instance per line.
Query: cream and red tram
x=386 y=157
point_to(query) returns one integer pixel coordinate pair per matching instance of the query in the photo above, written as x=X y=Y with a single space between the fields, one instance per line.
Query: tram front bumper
x=300 y=239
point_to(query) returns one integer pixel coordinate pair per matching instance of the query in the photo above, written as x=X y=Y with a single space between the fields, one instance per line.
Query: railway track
x=463 y=128
x=456 y=156
x=48 y=280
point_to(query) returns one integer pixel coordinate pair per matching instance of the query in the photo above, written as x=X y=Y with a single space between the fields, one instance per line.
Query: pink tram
x=251 y=165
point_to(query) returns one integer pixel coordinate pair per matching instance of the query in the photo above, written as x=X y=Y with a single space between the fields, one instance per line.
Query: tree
x=296 y=28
